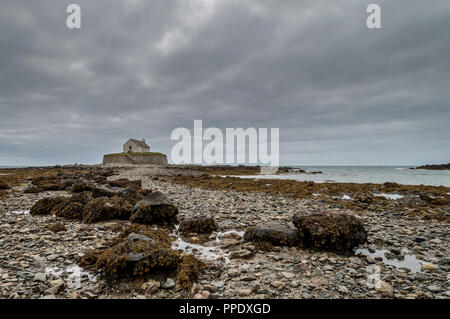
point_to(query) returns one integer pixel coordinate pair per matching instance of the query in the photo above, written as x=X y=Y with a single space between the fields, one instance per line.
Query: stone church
x=136 y=146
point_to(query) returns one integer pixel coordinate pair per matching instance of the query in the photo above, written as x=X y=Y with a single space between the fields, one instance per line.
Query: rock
x=329 y=230
x=241 y=254
x=82 y=186
x=151 y=286
x=278 y=285
x=245 y=292
x=317 y=282
x=206 y=294
x=99 y=209
x=57 y=227
x=139 y=250
x=384 y=288
x=131 y=194
x=58 y=283
x=428 y=266
x=155 y=208
x=74 y=295
x=40 y=276
x=274 y=233
x=228 y=242
x=199 y=296
x=343 y=289
x=287 y=275
x=103 y=191
x=436 y=241
x=200 y=225
x=434 y=288
x=45 y=205
x=169 y=284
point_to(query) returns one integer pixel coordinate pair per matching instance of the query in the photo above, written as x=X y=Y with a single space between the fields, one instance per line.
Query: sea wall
x=158 y=159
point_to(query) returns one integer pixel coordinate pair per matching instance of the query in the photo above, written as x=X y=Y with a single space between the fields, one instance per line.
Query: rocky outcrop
x=201 y=225
x=273 y=233
x=141 y=250
x=435 y=167
x=329 y=230
x=45 y=206
x=154 y=209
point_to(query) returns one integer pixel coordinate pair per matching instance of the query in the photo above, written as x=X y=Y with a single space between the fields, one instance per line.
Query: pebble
x=169 y=284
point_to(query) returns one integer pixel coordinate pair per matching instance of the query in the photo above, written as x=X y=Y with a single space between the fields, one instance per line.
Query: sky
x=340 y=93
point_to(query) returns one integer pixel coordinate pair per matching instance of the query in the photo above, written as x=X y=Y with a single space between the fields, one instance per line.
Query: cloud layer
x=339 y=92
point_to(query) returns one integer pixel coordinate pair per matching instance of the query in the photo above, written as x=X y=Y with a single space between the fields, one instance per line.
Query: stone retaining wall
x=135 y=159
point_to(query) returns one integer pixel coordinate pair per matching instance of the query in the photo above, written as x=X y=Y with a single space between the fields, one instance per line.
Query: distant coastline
x=435 y=167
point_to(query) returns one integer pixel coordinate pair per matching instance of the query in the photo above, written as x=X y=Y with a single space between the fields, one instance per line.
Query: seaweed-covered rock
x=103 y=191
x=155 y=208
x=99 y=209
x=82 y=186
x=57 y=227
x=131 y=194
x=45 y=183
x=274 y=233
x=137 y=254
x=201 y=225
x=189 y=271
x=329 y=230
x=69 y=210
x=33 y=189
x=66 y=184
x=124 y=182
x=4 y=185
x=45 y=205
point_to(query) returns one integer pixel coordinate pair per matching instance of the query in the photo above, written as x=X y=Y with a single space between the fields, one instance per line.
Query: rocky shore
x=400 y=250
x=435 y=167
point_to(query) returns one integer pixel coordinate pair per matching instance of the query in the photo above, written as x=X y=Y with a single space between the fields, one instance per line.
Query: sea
x=364 y=174
x=368 y=174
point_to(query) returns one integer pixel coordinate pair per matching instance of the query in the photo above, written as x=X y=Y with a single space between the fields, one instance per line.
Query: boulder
x=82 y=186
x=4 y=185
x=274 y=233
x=137 y=254
x=103 y=191
x=153 y=209
x=99 y=209
x=329 y=230
x=201 y=225
x=131 y=194
x=57 y=227
x=45 y=205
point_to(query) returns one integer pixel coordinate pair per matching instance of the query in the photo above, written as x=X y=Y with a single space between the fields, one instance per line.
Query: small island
x=135 y=152
x=435 y=167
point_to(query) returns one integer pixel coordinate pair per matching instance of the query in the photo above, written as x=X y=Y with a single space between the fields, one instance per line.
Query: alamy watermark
x=73 y=20
x=236 y=146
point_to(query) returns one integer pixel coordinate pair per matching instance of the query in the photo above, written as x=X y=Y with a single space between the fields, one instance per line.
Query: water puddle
x=407 y=261
x=204 y=252
x=18 y=212
x=389 y=196
x=75 y=275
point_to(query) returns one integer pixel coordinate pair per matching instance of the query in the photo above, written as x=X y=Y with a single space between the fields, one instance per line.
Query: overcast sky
x=339 y=92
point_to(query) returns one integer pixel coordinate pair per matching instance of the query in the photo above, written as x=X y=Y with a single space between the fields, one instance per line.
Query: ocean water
x=368 y=174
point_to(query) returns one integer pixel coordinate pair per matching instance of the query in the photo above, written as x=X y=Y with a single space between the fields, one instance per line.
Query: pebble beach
x=405 y=255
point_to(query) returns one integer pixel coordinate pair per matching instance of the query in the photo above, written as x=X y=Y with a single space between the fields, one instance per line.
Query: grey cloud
x=340 y=93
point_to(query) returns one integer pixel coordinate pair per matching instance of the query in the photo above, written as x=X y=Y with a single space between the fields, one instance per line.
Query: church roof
x=138 y=143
